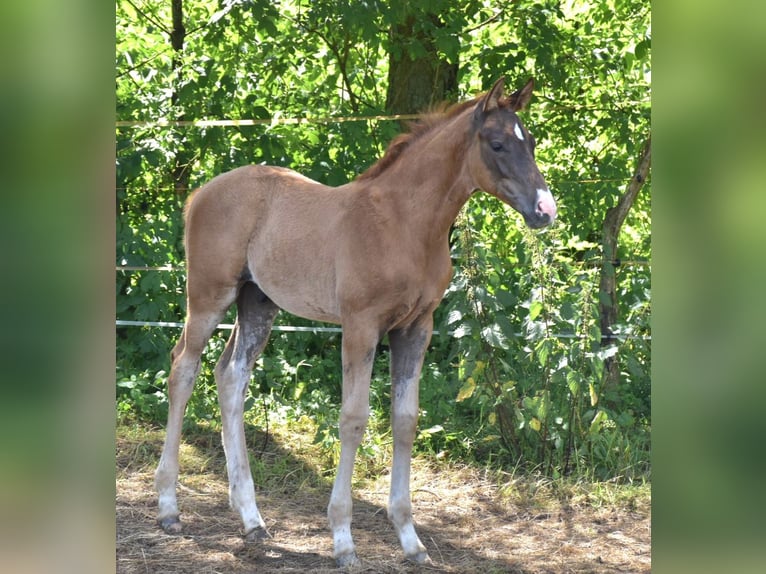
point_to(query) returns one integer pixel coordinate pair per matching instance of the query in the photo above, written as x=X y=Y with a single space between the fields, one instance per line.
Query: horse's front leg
x=408 y=348
x=358 y=352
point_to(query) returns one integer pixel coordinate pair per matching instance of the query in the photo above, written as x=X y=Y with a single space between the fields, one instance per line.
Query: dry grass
x=470 y=520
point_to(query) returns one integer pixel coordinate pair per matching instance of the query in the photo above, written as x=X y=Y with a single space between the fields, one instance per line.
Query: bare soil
x=468 y=523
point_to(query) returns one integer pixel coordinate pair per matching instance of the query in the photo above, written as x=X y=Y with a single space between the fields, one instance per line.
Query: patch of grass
x=535 y=491
x=284 y=457
x=472 y=518
x=138 y=446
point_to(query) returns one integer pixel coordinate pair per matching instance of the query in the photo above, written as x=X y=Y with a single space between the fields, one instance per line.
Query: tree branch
x=157 y=23
x=142 y=63
x=341 y=55
x=615 y=217
x=485 y=22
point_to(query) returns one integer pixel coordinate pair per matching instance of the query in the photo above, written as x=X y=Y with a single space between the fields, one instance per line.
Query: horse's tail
x=188 y=202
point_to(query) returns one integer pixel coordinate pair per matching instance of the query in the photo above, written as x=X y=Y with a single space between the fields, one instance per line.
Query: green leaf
x=535 y=308
x=567 y=311
x=461 y=331
x=593 y=395
x=416 y=50
x=544 y=405
x=431 y=431
x=642 y=49
x=598 y=420
x=573 y=382
x=506 y=298
x=454 y=316
x=543 y=351
x=494 y=336
x=298 y=391
x=448 y=45
x=505 y=326
x=466 y=391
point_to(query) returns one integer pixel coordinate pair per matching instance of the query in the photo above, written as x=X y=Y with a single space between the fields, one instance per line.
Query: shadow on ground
x=461 y=519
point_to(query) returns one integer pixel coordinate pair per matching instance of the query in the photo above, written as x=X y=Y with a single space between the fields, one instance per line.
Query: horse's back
x=270 y=225
x=240 y=198
x=246 y=185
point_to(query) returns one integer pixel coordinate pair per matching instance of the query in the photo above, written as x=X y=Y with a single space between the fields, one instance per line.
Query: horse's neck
x=430 y=181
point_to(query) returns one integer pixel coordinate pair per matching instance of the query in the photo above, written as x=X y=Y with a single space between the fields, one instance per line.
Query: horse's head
x=503 y=156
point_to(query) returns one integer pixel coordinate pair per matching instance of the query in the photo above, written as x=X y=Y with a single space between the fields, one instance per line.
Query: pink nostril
x=546 y=205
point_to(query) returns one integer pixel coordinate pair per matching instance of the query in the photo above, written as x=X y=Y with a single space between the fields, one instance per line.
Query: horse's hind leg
x=203 y=315
x=255 y=314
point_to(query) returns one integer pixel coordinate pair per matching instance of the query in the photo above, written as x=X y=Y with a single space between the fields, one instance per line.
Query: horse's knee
x=222 y=370
x=232 y=378
x=352 y=425
x=404 y=429
x=405 y=423
x=183 y=373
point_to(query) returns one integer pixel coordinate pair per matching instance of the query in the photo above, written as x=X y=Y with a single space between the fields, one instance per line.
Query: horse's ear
x=520 y=98
x=493 y=96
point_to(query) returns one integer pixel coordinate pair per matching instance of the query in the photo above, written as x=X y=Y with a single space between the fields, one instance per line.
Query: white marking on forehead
x=518 y=132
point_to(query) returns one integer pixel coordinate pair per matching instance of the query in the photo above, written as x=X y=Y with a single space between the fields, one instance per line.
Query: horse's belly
x=302 y=296
x=308 y=309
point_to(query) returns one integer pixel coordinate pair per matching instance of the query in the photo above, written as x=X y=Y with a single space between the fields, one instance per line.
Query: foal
x=371 y=255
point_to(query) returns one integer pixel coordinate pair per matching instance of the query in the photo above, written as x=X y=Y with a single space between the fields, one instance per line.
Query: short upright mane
x=436 y=117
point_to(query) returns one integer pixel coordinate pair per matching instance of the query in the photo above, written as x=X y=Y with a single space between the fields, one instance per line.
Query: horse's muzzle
x=545 y=210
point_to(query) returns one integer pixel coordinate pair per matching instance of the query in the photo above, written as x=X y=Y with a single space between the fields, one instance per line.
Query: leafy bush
x=535 y=376
x=500 y=384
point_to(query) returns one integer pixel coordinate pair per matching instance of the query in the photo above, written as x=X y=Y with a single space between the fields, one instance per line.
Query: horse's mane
x=435 y=117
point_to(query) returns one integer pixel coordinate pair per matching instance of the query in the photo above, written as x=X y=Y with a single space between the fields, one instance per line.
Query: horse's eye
x=496 y=146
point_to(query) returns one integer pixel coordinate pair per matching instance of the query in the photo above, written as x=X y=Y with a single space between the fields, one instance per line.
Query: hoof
x=257 y=534
x=347 y=560
x=171 y=525
x=420 y=558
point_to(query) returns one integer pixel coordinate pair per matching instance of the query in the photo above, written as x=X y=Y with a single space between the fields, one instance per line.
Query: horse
x=371 y=255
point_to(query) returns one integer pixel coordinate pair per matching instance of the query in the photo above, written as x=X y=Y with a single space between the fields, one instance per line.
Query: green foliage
x=499 y=385
x=536 y=374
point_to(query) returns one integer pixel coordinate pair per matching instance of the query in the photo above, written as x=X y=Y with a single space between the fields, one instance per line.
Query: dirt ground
x=462 y=518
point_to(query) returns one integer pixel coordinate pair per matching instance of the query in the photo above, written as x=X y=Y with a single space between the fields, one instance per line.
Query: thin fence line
x=278 y=120
x=552 y=182
x=261 y=121
x=606 y=180
x=229 y=326
x=315 y=330
x=616 y=263
x=146 y=268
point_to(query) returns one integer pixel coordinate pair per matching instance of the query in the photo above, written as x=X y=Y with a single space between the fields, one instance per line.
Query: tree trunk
x=608 y=307
x=177 y=37
x=415 y=85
